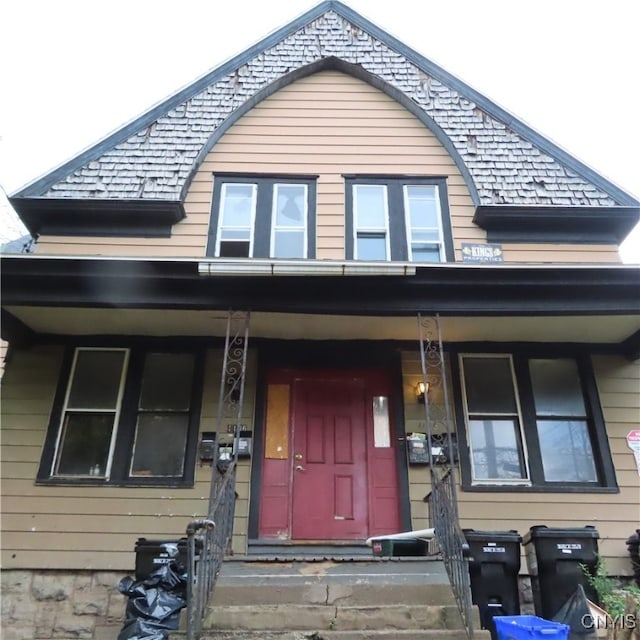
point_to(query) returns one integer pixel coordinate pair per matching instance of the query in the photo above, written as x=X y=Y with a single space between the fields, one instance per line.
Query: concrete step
x=329 y=583
x=396 y=634
x=332 y=618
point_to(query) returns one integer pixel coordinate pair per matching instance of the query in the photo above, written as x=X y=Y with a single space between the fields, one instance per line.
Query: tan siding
x=615 y=516
x=89 y=527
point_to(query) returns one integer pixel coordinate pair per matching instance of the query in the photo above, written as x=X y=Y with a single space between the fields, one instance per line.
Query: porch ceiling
x=72 y=321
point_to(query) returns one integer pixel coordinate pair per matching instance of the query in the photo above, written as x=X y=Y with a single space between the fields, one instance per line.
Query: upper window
x=124 y=417
x=533 y=422
x=404 y=219
x=261 y=217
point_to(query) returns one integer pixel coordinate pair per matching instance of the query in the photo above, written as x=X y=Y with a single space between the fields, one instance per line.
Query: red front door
x=329 y=471
x=329 y=483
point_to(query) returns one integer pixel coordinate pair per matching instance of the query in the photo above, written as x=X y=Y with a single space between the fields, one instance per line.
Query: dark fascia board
x=451 y=290
x=40 y=186
x=93 y=217
x=15 y=331
x=532 y=223
x=631 y=346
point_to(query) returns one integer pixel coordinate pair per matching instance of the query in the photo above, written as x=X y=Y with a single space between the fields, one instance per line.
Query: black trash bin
x=554 y=558
x=151 y=554
x=494 y=565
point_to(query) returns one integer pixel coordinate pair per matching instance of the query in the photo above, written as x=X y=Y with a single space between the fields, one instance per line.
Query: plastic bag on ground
x=576 y=613
x=154 y=604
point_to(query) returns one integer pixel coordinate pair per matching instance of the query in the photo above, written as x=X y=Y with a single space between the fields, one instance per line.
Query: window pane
x=381 y=427
x=496 y=450
x=489 y=385
x=84 y=446
x=566 y=451
x=288 y=244
x=166 y=382
x=234 y=249
x=237 y=205
x=426 y=235
x=160 y=445
x=423 y=211
x=96 y=379
x=371 y=247
x=290 y=204
x=235 y=234
x=369 y=201
x=425 y=254
x=556 y=388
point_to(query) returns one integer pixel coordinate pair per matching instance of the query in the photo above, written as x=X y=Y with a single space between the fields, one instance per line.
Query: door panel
x=329 y=475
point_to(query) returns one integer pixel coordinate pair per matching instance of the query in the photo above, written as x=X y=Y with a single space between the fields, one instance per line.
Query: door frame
x=328 y=354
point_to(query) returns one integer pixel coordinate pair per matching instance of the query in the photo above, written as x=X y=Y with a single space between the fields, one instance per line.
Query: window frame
x=364 y=231
x=252 y=215
x=398 y=236
x=516 y=416
x=262 y=232
x=121 y=447
x=535 y=482
x=275 y=227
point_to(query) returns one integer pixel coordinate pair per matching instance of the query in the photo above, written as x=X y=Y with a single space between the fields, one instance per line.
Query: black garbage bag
x=575 y=612
x=154 y=603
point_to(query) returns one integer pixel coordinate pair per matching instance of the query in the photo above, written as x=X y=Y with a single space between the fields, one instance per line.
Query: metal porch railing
x=209 y=539
x=442 y=451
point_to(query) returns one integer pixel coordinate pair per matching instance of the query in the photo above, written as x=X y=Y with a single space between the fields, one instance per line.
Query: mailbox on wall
x=443 y=448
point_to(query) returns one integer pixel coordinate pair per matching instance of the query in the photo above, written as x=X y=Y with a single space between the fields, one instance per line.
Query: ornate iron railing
x=208 y=542
x=209 y=539
x=443 y=455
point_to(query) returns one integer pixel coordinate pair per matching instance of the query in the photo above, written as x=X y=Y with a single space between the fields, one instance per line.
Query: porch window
x=262 y=217
x=124 y=416
x=394 y=218
x=532 y=422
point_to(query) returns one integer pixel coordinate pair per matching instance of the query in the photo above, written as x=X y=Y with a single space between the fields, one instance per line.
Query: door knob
x=298 y=456
x=299 y=467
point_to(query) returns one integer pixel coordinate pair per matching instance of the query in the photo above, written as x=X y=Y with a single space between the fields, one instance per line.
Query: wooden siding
x=74 y=527
x=328 y=124
x=615 y=516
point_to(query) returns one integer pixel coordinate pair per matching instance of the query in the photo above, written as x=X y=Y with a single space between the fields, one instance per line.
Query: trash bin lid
x=542 y=531
x=492 y=536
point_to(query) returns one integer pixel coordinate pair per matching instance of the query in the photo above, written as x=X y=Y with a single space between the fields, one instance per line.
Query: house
x=337 y=206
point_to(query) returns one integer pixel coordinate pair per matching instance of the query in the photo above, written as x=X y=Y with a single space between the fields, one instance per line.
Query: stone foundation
x=63 y=605
x=526 y=596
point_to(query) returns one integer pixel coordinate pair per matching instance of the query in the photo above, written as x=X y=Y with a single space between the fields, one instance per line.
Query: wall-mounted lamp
x=422 y=388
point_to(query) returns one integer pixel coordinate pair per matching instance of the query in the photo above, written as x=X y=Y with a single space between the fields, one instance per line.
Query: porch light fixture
x=422 y=388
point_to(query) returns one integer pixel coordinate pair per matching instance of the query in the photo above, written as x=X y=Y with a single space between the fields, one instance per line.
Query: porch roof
x=89 y=295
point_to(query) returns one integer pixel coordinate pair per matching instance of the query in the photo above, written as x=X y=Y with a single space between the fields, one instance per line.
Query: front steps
x=384 y=599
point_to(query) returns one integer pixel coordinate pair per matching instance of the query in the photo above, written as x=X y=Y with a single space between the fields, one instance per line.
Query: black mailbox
x=494 y=565
x=554 y=558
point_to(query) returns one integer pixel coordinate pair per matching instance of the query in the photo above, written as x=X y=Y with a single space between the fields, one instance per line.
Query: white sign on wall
x=633 y=440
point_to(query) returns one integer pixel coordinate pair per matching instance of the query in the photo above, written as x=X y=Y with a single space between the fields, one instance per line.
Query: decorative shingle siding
x=156 y=162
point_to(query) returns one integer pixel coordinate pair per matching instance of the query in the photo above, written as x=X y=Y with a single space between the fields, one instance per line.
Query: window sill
x=129 y=483
x=566 y=488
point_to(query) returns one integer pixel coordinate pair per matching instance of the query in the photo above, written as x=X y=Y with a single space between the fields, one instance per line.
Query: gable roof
x=153 y=158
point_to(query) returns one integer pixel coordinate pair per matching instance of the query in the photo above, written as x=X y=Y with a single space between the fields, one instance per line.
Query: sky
x=72 y=71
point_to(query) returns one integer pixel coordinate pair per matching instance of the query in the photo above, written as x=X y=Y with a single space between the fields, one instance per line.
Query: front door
x=329 y=470
x=329 y=481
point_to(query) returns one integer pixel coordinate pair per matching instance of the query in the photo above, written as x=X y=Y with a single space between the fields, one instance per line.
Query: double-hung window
x=532 y=421
x=263 y=217
x=398 y=218
x=124 y=416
